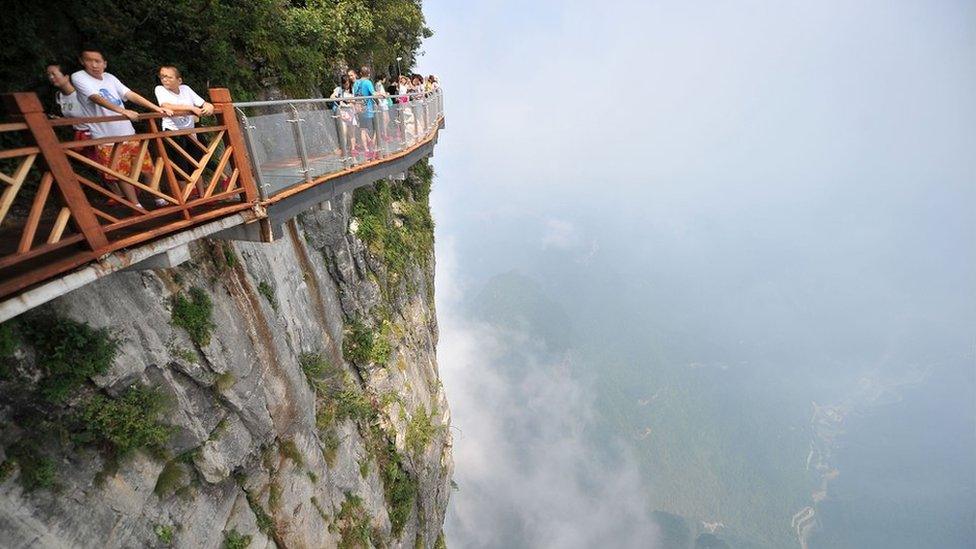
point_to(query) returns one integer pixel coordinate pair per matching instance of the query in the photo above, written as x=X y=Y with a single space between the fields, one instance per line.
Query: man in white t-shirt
x=102 y=94
x=176 y=96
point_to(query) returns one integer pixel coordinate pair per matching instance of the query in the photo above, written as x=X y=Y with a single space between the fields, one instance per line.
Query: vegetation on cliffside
x=248 y=46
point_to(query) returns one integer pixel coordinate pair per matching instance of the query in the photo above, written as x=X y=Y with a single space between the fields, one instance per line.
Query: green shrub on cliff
x=360 y=345
x=68 y=352
x=8 y=340
x=353 y=523
x=164 y=533
x=36 y=469
x=193 y=314
x=128 y=422
x=420 y=431
x=235 y=540
x=395 y=223
x=267 y=291
x=399 y=487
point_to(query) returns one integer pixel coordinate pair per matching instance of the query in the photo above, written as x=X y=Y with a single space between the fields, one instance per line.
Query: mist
x=749 y=217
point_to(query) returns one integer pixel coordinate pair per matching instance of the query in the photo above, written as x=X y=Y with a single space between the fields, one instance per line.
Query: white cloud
x=528 y=475
x=560 y=234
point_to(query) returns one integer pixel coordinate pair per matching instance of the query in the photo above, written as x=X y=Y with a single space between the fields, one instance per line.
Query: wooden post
x=168 y=170
x=28 y=106
x=220 y=97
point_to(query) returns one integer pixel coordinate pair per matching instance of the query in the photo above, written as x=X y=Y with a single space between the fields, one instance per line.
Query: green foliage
x=193 y=314
x=289 y=449
x=360 y=345
x=274 y=495
x=325 y=415
x=126 y=423
x=354 y=404
x=316 y=367
x=395 y=223
x=183 y=354
x=364 y=467
x=268 y=457
x=8 y=347
x=331 y=442
x=331 y=388
x=68 y=352
x=234 y=540
x=224 y=381
x=267 y=291
x=441 y=542
x=312 y=476
x=219 y=430
x=265 y=522
x=353 y=523
x=230 y=258
x=164 y=533
x=8 y=340
x=6 y=469
x=36 y=469
x=170 y=478
x=420 y=431
x=318 y=507
x=340 y=398
x=400 y=489
x=245 y=46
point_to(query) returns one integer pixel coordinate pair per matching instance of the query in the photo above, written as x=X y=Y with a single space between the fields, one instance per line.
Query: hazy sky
x=815 y=159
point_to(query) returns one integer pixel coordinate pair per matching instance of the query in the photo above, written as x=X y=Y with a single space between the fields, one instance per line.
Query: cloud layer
x=528 y=475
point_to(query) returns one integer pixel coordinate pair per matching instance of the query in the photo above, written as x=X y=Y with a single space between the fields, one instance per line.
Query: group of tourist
x=367 y=123
x=91 y=92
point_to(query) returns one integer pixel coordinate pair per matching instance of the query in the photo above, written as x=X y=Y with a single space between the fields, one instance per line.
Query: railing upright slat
x=29 y=107
x=221 y=99
x=299 y=136
x=174 y=187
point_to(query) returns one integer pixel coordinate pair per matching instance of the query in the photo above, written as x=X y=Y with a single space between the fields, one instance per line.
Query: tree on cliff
x=247 y=45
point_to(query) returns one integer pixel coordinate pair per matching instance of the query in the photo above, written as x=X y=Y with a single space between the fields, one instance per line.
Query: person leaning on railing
x=379 y=84
x=176 y=96
x=416 y=91
x=102 y=94
x=363 y=87
x=407 y=130
x=68 y=103
x=345 y=111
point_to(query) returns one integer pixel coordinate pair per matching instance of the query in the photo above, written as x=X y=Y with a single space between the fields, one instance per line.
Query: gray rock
x=241 y=405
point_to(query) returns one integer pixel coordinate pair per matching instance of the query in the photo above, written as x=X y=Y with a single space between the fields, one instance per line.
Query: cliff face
x=286 y=394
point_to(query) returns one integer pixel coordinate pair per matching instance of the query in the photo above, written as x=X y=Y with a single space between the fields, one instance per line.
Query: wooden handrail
x=111 y=118
x=139 y=137
x=29 y=108
x=71 y=214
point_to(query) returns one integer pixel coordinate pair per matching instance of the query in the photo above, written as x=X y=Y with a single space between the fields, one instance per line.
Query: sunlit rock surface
x=247 y=456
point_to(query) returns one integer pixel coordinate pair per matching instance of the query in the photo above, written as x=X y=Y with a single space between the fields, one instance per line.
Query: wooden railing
x=60 y=207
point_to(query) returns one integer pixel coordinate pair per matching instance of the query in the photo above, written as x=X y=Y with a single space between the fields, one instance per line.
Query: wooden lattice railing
x=60 y=208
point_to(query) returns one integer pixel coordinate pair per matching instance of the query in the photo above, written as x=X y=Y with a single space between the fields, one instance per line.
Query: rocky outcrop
x=282 y=394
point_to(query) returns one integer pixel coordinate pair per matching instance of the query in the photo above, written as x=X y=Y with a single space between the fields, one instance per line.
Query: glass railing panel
x=298 y=141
